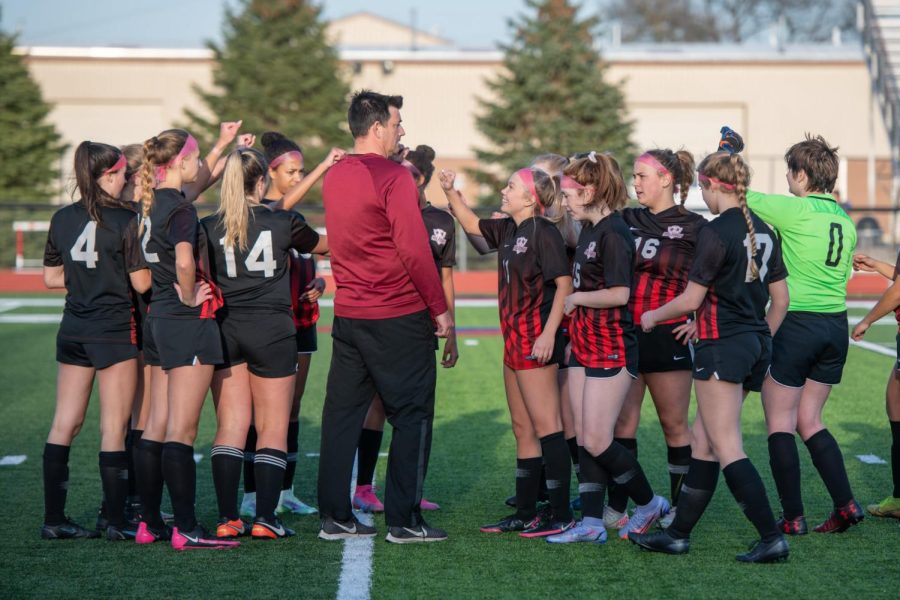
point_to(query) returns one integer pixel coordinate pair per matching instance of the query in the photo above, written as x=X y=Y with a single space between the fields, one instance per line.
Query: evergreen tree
x=277 y=72
x=31 y=148
x=551 y=95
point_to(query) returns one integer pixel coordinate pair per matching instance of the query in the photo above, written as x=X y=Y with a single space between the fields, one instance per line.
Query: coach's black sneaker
x=794 y=526
x=423 y=532
x=511 y=523
x=661 y=541
x=842 y=518
x=119 y=534
x=264 y=529
x=344 y=530
x=766 y=552
x=68 y=529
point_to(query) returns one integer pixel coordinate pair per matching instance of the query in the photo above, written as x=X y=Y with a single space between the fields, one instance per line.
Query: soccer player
x=603 y=360
x=737 y=268
x=665 y=234
x=810 y=349
x=534 y=282
x=94 y=253
x=252 y=247
x=890 y=300
x=182 y=336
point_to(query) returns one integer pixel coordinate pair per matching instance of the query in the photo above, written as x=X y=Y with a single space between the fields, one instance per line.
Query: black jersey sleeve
x=777 y=269
x=709 y=257
x=496 y=230
x=303 y=237
x=131 y=244
x=448 y=252
x=52 y=255
x=552 y=257
x=183 y=226
x=618 y=257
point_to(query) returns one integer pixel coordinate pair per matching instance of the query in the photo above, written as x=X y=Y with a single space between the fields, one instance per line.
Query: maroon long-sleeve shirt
x=380 y=255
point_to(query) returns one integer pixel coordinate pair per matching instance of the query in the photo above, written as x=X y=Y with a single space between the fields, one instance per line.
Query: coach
x=388 y=300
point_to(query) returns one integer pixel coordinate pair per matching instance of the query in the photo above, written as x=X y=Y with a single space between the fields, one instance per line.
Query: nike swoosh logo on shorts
x=679 y=357
x=701 y=369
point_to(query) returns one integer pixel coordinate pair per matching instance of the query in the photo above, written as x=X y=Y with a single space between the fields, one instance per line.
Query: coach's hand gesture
x=444 y=324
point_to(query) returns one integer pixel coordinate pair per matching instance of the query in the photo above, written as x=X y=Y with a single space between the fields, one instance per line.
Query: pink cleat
x=428 y=505
x=365 y=499
x=199 y=539
x=148 y=535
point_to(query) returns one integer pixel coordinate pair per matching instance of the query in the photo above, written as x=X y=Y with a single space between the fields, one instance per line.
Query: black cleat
x=118 y=534
x=344 y=530
x=794 y=526
x=264 y=529
x=661 y=541
x=423 y=532
x=66 y=530
x=842 y=518
x=511 y=523
x=766 y=552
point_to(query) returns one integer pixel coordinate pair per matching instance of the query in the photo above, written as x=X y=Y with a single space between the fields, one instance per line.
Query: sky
x=190 y=23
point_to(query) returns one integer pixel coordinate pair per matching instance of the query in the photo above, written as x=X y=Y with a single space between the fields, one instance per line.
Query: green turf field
x=471 y=473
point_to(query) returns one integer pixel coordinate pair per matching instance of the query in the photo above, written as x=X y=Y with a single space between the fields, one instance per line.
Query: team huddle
x=598 y=304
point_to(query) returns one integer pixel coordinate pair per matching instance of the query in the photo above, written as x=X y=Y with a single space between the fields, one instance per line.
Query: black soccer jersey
x=664 y=249
x=734 y=304
x=173 y=220
x=257 y=279
x=530 y=257
x=897 y=310
x=96 y=259
x=604 y=259
x=441 y=235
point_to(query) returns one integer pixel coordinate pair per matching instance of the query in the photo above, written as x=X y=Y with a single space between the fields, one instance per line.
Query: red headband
x=705 y=179
x=649 y=159
x=527 y=177
x=567 y=183
x=293 y=154
x=120 y=164
x=190 y=145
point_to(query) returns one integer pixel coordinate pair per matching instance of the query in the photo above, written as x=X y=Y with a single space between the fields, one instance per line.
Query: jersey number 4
x=764 y=244
x=84 y=248
x=260 y=258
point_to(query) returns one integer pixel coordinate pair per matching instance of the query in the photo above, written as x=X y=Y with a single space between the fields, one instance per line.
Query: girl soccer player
x=93 y=252
x=534 y=282
x=665 y=234
x=252 y=247
x=603 y=358
x=737 y=268
x=889 y=301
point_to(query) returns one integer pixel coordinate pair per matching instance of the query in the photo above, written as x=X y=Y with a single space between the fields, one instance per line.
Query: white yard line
x=877 y=348
x=35 y=318
x=355 y=582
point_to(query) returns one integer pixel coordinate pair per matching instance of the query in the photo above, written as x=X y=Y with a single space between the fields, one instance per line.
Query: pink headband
x=649 y=159
x=120 y=164
x=567 y=183
x=293 y=154
x=527 y=177
x=190 y=145
x=705 y=179
x=413 y=170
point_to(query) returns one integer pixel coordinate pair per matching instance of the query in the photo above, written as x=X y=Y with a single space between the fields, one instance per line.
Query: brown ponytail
x=602 y=172
x=158 y=151
x=92 y=160
x=680 y=165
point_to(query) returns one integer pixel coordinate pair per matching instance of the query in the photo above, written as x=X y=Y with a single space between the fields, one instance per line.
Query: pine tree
x=277 y=72
x=31 y=148
x=551 y=95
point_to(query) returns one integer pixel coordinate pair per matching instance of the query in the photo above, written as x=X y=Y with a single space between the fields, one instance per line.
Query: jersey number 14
x=261 y=256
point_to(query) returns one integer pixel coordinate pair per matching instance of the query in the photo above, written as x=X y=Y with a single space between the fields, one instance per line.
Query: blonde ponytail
x=233 y=210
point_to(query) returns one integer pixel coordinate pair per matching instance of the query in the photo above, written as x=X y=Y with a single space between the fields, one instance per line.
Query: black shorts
x=98 y=356
x=148 y=345
x=660 y=352
x=267 y=343
x=897 y=364
x=810 y=346
x=564 y=341
x=182 y=342
x=600 y=373
x=743 y=358
x=307 y=340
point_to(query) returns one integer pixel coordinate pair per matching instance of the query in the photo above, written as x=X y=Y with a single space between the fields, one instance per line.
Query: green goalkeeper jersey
x=817 y=240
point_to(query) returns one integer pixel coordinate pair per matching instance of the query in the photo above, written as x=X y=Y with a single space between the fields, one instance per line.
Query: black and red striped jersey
x=664 y=249
x=173 y=220
x=96 y=259
x=734 y=303
x=604 y=259
x=530 y=257
x=897 y=273
x=258 y=279
x=441 y=230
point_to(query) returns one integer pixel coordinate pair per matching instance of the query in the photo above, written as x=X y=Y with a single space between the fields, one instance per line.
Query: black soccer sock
x=180 y=474
x=829 y=462
x=293 y=446
x=558 y=466
x=679 y=459
x=367 y=450
x=528 y=481
x=249 y=452
x=148 y=468
x=270 y=465
x=895 y=457
x=592 y=487
x=226 y=472
x=572 y=443
x=131 y=442
x=697 y=490
x=624 y=469
x=747 y=488
x=114 y=478
x=785 y=462
x=618 y=495
x=56 y=483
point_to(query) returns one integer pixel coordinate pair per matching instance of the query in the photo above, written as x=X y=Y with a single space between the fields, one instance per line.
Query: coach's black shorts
x=743 y=358
x=182 y=342
x=266 y=342
x=307 y=340
x=810 y=346
x=660 y=352
x=87 y=354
